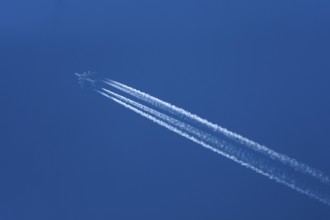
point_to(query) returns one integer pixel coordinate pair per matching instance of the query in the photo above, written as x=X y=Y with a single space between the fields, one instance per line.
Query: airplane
x=85 y=77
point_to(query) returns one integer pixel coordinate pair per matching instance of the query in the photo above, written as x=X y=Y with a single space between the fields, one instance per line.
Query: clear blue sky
x=259 y=68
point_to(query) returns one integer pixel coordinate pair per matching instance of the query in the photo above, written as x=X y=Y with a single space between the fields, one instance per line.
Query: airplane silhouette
x=85 y=77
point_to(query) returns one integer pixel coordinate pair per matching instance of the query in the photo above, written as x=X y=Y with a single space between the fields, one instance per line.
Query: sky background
x=258 y=68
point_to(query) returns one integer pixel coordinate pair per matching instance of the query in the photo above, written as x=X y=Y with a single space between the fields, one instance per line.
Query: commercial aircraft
x=85 y=77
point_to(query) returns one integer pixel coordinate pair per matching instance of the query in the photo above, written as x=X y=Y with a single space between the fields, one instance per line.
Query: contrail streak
x=179 y=112
x=284 y=176
x=244 y=156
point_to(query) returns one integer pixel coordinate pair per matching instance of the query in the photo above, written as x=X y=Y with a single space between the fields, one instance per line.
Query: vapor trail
x=192 y=118
x=236 y=152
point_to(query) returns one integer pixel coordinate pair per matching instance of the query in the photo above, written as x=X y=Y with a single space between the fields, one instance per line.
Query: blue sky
x=258 y=68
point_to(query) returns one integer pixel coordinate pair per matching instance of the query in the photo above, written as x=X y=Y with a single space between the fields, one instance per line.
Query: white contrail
x=284 y=175
x=301 y=167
